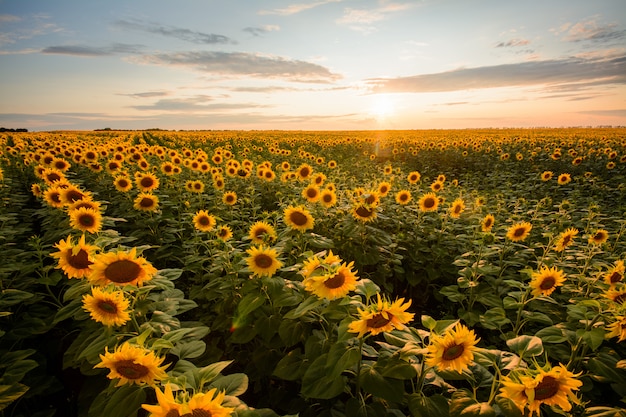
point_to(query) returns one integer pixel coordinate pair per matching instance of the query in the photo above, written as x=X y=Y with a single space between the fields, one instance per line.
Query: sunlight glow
x=382 y=107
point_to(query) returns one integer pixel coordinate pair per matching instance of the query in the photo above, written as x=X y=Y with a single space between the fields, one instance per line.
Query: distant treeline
x=4 y=129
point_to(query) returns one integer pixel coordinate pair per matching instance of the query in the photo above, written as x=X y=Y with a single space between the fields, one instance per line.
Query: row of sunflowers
x=392 y=273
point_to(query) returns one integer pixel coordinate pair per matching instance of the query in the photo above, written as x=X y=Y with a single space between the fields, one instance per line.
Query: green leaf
x=508 y=407
x=188 y=350
x=604 y=412
x=15 y=371
x=11 y=296
x=317 y=383
x=428 y=322
x=307 y=305
x=210 y=372
x=374 y=383
x=494 y=318
x=249 y=303
x=10 y=393
x=526 y=346
x=124 y=401
x=367 y=287
x=292 y=332
x=594 y=338
x=234 y=384
x=552 y=334
x=291 y=367
x=171 y=273
x=432 y=406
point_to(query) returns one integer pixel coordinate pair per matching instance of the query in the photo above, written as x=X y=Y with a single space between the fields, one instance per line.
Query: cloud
x=513 y=43
x=297 y=8
x=198 y=103
x=592 y=31
x=6 y=18
x=242 y=64
x=82 y=50
x=608 y=113
x=362 y=20
x=22 y=28
x=175 y=32
x=258 y=31
x=147 y=94
x=551 y=72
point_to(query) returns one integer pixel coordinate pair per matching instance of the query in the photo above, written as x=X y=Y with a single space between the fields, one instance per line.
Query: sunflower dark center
x=378 y=321
x=453 y=352
x=547 y=388
x=122 y=183
x=87 y=220
x=620 y=299
x=80 y=260
x=198 y=412
x=52 y=177
x=263 y=261
x=108 y=307
x=429 y=203
x=298 y=218
x=56 y=197
x=547 y=283
x=364 y=212
x=615 y=277
x=383 y=190
x=130 y=370
x=304 y=172
x=519 y=232
x=311 y=192
x=457 y=209
x=122 y=271
x=336 y=281
x=488 y=223
x=370 y=199
x=327 y=198
x=258 y=233
x=74 y=195
x=566 y=240
x=146 y=202
x=204 y=221
x=147 y=182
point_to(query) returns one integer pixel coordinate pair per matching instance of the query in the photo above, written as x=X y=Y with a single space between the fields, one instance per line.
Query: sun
x=382 y=107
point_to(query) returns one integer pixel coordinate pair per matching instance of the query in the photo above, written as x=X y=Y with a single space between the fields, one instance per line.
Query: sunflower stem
x=357 y=389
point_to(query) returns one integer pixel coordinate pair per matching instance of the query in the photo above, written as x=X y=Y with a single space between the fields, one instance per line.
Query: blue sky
x=311 y=65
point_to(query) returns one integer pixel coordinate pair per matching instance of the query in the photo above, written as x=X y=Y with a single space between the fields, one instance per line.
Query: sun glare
x=382 y=107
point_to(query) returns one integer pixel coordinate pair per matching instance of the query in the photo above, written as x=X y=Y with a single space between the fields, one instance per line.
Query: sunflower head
x=546 y=280
x=599 y=237
x=75 y=259
x=262 y=232
x=519 y=231
x=453 y=350
x=364 y=212
x=146 y=202
x=108 y=307
x=132 y=364
x=428 y=202
x=382 y=316
x=121 y=268
x=263 y=261
x=86 y=220
x=298 y=218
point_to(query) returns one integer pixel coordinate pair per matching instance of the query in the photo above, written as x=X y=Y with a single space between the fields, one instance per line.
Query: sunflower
x=304 y=172
x=617 y=329
x=298 y=218
x=123 y=183
x=204 y=221
x=52 y=196
x=617 y=294
x=328 y=198
x=487 y=223
x=519 y=231
x=74 y=260
x=133 y=365
x=381 y=317
x=121 y=268
x=73 y=194
x=546 y=175
x=146 y=182
x=457 y=207
x=229 y=198
x=545 y=281
x=52 y=176
x=107 y=307
x=36 y=190
x=565 y=239
x=331 y=281
x=615 y=274
x=200 y=404
x=599 y=237
x=428 y=202
x=564 y=179
x=262 y=232
x=413 y=177
x=364 y=212
x=436 y=186
x=384 y=188
x=146 y=202
x=403 y=197
x=85 y=220
x=454 y=350
x=553 y=387
x=196 y=186
x=224 y=233
x=311 y=192
x=263 y=261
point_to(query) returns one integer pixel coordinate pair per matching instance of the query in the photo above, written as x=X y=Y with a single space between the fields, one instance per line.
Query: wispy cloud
x=199 y=103
x=513 y=43
x=146 y=94
x=16 y=28
x=363 y=20
x=261 y=30
x=242 y=64
x=549 y=72
x=91 y=51
x=591 y=30
x=6 y=18
x=297 y=8
x=174 y=32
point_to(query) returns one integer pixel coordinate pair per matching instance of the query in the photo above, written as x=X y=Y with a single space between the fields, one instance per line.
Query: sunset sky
x=311 y=65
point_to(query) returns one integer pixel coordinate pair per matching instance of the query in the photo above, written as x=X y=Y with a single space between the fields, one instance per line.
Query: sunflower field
x=328 y=274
